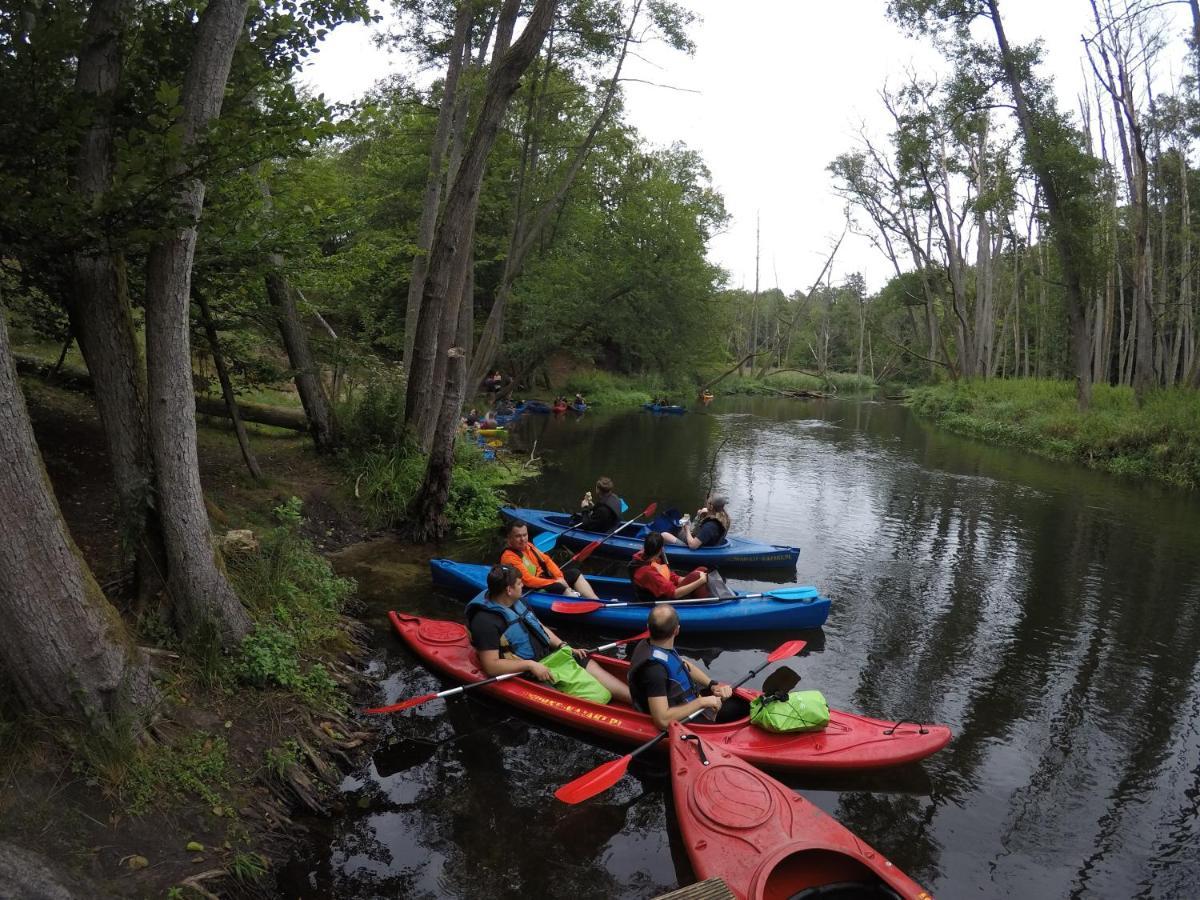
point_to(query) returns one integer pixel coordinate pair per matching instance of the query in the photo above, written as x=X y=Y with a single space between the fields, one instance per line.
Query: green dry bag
x=800 y=711
x=571 y=678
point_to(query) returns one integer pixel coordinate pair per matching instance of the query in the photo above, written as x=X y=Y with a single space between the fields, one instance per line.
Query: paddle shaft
x=595 y=545
x=691 y=600
x=450 y=692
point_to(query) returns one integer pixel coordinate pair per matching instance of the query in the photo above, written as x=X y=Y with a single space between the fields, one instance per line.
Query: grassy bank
x=1160 y=440
x=608 y=389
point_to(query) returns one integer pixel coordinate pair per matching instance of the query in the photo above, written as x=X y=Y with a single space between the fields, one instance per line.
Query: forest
x=207 y=238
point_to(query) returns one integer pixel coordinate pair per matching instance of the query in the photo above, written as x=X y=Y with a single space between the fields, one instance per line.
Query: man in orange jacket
x=538 y=571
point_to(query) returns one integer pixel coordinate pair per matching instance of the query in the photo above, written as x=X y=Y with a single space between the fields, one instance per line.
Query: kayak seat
x=818 y=874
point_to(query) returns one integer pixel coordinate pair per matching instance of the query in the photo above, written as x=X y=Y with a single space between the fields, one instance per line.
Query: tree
x=63 y=647
x=202 y=596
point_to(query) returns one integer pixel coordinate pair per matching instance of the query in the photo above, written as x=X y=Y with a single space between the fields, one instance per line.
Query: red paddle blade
x=649 y=510
x=783 y=651
x=594 y=782
x=585 y=552
x=575 y=607
x=396 y=707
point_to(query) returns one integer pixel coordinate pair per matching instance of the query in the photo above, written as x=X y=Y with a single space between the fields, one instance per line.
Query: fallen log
x=81 y=380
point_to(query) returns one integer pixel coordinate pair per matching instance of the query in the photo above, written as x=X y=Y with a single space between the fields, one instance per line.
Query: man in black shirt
x=509 y=638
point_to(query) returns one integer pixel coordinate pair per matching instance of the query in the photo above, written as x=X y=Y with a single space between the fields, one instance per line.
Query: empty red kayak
x=848 y=743
x=765 y=841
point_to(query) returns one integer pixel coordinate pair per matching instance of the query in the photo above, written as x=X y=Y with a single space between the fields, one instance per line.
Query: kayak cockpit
x=815 y=873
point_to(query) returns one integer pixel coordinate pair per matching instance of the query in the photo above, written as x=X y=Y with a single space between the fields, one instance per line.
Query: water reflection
x=1047 y=613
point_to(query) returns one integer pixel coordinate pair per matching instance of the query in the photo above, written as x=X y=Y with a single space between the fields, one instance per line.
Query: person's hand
x=703 y=579
x=580 y=654
x=538 y=671
x=571 y=592
x=702 y=510
x=723 y=691
x=713 y=703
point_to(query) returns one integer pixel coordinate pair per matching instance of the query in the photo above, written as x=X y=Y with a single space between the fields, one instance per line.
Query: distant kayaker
x=538 y=571
x=669 y=687
x=708 y=528
x=472 y=418
x=488 y=420
x=653 y=578
x=508 y=637
x=579 y=401
x=600 y=511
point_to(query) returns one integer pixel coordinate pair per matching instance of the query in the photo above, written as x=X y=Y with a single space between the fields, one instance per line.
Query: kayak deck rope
x=921 y=729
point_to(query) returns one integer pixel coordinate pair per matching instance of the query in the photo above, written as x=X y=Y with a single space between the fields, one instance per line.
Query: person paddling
x=668 y=687
x=508 y=637
x=538 y=571
x=653 y=579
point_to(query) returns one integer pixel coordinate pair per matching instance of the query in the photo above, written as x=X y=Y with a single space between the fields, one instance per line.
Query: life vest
x=639 y=562
x=536 y=566
x=708 y=518
x=595 y=520
x=680 y=689
x=521 y=625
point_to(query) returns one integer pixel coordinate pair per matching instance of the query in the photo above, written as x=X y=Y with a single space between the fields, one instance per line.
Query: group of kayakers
x=509 y=638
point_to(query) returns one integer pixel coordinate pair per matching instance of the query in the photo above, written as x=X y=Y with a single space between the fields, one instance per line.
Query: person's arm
x=493 y=664
x=704 y=681
x=664 y=714
x=533 y=582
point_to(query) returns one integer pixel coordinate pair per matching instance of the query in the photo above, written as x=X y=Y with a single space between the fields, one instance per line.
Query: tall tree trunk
x=214 y=344
x=431 y=199
x=201 y=594
x=450 y=255
x=99 y=308
x=63 y=646
x=1070 y=255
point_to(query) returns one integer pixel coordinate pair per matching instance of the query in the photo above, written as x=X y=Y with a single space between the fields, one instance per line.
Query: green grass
x=1159 y=440
x=387 y=482
x=606 y=389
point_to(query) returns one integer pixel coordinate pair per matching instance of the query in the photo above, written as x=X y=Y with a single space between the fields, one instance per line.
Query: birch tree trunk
x=201 y=594
x=63 y=646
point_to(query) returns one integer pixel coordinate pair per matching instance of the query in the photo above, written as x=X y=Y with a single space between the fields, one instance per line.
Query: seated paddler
x=669 y=687
x=653 y=579
x=508 y=637
x=538 y=571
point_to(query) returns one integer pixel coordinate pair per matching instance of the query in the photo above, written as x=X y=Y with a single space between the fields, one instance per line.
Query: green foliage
x=608 y=389
x=845 y=383
x=297 y=601
x=388 y=481
x=247 y=867
x=1158 y=440
x=279 y=759
x=197 y=766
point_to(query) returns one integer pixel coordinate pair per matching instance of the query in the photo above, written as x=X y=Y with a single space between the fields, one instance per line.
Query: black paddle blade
x=781 y=681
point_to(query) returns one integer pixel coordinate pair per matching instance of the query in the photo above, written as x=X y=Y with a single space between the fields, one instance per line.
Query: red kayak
x=764 y=841
x=848 y=743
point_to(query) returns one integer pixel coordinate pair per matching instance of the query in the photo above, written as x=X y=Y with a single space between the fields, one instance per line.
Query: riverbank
x=1159 y=440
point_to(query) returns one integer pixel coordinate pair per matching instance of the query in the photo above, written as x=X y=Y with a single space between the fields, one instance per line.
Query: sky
x=774 y=92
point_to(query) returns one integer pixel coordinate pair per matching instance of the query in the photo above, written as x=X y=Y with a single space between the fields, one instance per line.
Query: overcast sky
x=775 y=90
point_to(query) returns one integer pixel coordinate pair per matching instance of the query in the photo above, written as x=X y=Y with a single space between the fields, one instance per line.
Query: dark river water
x=1050 y=615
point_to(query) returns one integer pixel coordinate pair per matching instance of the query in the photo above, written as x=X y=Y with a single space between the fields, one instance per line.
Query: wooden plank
x=709 y=889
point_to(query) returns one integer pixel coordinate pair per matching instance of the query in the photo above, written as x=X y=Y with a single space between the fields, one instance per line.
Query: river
x=1049 y=614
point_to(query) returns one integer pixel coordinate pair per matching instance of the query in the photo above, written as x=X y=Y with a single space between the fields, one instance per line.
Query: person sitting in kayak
x=538 y=571
x=508 y=637
x=601 y=511
x=579 y=401
x=710 y=526
x=653 y=579
x=668 y=687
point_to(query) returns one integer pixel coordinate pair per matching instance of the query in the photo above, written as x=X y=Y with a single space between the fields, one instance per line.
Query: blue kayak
x=791 y=607
x=671 y=410
x=579 y=407
x=732 y=552
x=533 y=406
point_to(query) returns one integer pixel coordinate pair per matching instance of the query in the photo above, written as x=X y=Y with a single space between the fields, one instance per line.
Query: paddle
x=547 y=540
x=582 y=607
x=605 y=776
x=425 y=698
x=591 y=548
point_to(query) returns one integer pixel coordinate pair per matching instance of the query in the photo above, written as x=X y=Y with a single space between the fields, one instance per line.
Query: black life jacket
x=604 y=516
